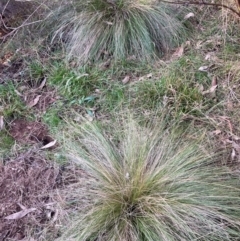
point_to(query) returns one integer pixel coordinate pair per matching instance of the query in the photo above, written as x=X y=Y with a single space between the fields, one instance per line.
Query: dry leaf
x=208 y=56
x=126 y=79
x=178 y=53
x=211 y=90
x=108 y=23
x=236 y=147
x=211 y=56
x=214 y=81
x=189 y=15
x=203 y=68
x=34 y=102
x=50 y=144
x=1 y=123
x=42 y=84
x=149 y=76
x=233 y=154
x=20 y=214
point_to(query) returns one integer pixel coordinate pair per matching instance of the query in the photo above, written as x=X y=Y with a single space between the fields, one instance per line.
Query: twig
x=204 y=3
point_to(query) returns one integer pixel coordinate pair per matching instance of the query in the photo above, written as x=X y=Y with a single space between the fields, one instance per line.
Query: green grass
x=151 y=185
x=10 y=102
x=36 y=70
x=119 y=29
x=52 y=117
x=6 y=143
x=176 y=86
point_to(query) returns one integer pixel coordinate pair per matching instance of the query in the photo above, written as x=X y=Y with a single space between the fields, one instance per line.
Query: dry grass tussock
x=98 y=29
x=151 y=185
x=29 y=204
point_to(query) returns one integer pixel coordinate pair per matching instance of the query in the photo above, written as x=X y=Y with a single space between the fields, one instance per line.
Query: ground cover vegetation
x=119 y=29
x=119 y=121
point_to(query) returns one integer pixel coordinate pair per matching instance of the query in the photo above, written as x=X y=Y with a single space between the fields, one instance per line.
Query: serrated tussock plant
x=118 y=29
x=152 y=185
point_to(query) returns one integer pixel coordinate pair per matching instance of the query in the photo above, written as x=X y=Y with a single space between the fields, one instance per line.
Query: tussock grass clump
x=118 y=29
x=150 y=186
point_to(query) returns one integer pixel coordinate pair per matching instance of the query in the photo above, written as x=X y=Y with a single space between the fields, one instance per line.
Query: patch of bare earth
x=10 y=69
x=27 y=203
x=37 y=196
x=29 y=132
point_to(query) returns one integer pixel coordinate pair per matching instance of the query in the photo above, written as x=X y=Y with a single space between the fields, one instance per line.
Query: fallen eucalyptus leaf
x=233 y=154
x=203 y=68
x=189 y=15
x=34 y=102
x=20 y=214
x=214 y=81
x=50 y=144
x=42 y=84
x=211 y=90
x=126 y=79
x=178 y=53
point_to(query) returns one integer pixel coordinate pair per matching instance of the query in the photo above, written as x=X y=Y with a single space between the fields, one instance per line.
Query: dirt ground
x=26 y=202
x=29 y=132
x=32 y=197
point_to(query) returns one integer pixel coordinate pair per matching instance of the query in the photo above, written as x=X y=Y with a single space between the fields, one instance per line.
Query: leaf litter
x=38 y=97
x=34 y=196
x=26 y=181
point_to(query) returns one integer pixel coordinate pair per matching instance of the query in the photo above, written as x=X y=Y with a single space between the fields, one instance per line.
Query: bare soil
x=29 y=132
x=27 y=182
x=30 y=183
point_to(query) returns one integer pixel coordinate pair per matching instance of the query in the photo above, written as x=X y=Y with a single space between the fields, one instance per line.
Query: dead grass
x=37 y=196
x=27 y=182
